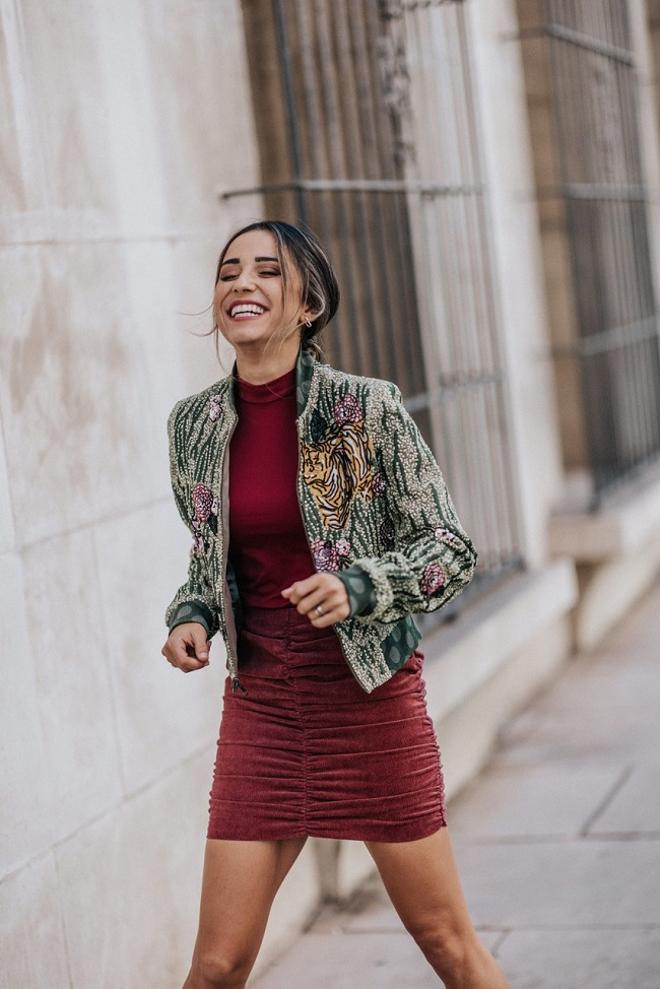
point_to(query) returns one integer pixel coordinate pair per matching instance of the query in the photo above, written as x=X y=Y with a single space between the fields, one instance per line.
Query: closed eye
x=227 y=278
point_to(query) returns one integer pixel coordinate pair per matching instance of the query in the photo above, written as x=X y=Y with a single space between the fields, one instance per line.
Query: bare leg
x=239 y=884
x=422 y=881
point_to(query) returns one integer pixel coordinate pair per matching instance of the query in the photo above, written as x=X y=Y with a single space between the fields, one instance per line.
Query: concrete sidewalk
x=557 y=843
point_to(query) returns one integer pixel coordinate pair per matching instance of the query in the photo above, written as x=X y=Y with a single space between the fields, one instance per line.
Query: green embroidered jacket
x=373 y=502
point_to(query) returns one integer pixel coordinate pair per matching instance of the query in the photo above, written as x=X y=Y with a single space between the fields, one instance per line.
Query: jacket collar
x=305 y=365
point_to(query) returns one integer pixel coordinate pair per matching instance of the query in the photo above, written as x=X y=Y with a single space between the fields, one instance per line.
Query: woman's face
x=251 y=273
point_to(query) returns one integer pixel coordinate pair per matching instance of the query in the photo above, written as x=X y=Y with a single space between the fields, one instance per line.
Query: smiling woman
x=320 y=522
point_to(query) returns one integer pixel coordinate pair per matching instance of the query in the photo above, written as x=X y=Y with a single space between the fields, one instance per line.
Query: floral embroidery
x=343 y=547
x=347 y=410
x=328 y=556
x=324 y=554
x=433 y=578
x=206 y=514
x=215 y=407
x=202 y=499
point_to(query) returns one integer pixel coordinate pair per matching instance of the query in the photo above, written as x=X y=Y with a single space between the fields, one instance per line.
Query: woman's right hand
x=187 y=647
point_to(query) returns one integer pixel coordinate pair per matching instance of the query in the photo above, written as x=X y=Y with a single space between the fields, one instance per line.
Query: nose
x=244 y=280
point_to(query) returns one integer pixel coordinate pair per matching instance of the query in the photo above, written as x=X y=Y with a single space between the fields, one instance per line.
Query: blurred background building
x=485 y=175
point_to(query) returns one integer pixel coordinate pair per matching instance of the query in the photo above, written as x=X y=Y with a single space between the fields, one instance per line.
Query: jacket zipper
x=227 y=608
x=302 y=518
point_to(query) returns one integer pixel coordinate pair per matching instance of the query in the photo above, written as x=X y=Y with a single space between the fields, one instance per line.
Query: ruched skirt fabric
x=308 y=752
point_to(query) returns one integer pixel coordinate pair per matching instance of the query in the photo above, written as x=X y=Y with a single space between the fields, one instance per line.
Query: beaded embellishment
x=205 y=517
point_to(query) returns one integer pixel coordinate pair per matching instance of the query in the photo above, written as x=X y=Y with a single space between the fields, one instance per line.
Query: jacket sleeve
x=193 y=601
x=360 y=590
x=433 y=558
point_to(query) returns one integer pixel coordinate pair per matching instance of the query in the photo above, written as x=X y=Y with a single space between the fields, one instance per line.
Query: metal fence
x=595 y=105
x=367 y=127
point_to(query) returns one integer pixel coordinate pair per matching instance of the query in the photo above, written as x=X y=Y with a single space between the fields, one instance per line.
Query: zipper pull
x=236 y=684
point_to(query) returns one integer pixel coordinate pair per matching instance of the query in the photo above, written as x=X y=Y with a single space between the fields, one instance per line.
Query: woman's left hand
x=322 y=590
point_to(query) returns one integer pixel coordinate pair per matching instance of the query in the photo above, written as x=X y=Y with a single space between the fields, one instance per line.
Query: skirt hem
x=401 y=834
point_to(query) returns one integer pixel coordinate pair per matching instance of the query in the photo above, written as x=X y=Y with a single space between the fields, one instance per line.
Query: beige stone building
x=486 y=176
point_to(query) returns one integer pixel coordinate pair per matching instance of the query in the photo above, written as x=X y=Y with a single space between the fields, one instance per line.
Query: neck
x=252 y=367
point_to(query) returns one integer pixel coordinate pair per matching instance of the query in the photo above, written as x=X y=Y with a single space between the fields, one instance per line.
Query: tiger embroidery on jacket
x=340 y=465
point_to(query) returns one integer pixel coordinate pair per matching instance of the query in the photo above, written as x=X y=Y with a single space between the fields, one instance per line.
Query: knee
x=444 y=943
x=219 y=970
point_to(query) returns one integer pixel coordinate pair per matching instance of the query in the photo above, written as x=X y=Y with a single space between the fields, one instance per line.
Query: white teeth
x=247 y=308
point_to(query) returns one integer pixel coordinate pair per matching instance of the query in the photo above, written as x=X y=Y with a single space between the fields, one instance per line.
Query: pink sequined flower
x=343 y=547
x=325 y=555
x=215 y=407
x=347 y=409
x=202 y=499
x=433 y=578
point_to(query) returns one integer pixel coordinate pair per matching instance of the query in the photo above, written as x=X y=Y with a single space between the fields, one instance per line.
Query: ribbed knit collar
x=308 y=375
x=268 y=391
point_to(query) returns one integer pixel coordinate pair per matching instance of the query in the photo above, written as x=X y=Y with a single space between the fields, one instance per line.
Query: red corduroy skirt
x=308 y=752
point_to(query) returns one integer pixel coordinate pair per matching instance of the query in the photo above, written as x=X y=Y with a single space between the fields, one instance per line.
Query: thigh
x=239 y=883
x=422 y=881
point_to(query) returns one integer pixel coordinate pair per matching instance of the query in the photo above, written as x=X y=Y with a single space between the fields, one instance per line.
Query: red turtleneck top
x=267 y=543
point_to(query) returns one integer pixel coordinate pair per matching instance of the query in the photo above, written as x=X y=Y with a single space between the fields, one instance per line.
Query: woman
x=340 y=527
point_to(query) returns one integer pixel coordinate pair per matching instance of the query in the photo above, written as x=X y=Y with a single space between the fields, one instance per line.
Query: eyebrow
x=238 y=260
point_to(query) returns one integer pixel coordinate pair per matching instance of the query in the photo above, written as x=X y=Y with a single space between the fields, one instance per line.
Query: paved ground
x=557 y=842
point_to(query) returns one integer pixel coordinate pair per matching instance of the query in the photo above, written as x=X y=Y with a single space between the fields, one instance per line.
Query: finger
x=300 y=588
x=327 y=592
x=320 y=588
x=315 y=596
x=184 y=649
x=331 y=611
x=334 y=604
x=200 y=643
x=192 y=664
x=177 y=651
x=188 y=663
x=166 y=651
x=329 y=616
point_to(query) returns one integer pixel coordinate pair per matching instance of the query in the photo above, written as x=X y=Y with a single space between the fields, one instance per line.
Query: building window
x=365 y=119
x=614 y=358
